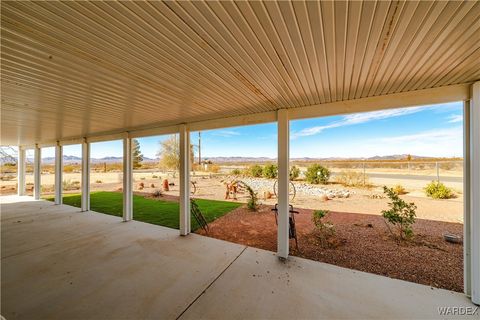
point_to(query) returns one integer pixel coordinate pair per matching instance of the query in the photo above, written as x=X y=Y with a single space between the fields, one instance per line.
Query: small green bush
x=294 y=173
x=270 y=171
x=317 y=174
x=325 y=229
x=236 y=172
x=438 y=190
x=317 y=217
x=401 y=215
x=255 y=171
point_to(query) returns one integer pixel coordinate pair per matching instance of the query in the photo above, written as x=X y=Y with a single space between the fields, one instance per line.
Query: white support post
x=58 y=173
x=467 y=275
x=37 y=167
x=85 y=176
x=127 y=179
x=475 y=192
x=283 y=183
x=184 y=180
x=21 y=171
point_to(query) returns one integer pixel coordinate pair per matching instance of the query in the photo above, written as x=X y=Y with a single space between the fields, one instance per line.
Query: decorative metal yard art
x=197 y=214
x=193 y=188
x=292 y=192
x=292 y=231
x=234 y=187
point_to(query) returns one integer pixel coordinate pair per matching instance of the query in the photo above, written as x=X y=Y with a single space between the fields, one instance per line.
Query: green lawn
x=160 y=212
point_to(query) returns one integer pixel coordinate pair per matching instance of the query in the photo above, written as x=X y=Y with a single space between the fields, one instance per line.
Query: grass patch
x=159 y=212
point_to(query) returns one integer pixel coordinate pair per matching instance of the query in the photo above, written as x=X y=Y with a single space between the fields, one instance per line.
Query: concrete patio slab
x=46 y=224
x=260 y=286
x=70 y=265
x=131 y=271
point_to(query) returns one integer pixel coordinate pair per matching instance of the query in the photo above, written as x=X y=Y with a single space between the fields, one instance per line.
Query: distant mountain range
x=74 y=159
x=265 y=159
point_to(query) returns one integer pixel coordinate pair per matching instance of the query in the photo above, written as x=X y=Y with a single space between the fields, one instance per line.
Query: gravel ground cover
x=361 y=242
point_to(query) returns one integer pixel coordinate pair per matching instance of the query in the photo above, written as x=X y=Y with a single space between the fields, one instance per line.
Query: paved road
x=412 y=177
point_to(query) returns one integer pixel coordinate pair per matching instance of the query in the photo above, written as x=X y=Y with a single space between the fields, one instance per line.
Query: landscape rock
x=259 y=184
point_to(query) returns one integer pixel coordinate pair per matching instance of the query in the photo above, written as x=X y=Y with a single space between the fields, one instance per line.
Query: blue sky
x=424 y=131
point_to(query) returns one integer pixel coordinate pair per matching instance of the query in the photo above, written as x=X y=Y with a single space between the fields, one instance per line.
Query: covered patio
x=60 y=263
x=84 y=72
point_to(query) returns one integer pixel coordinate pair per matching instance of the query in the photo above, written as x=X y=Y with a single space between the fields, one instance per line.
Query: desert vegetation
x=401 y=215
x=350 y=178
x=294 y=173
x=323 y=229
x=317 y=174
x=438 y=190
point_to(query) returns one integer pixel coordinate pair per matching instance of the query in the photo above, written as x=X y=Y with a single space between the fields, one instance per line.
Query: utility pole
x=199 y=148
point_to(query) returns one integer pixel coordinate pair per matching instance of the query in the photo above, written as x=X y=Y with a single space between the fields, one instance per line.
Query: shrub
x=157 y=193
x=399 y=189
x=98 y=181
x=255 y=171
x=317 y=174
x=252 y=203
x=69 y=185
x=349 y=178
x=438 y=190
x=294 y=173
x=214 y=168
x=236 y=172
x=152 y=185
x=142 y=178
x=46 y=189
x=68 y=168
x=6 y=177
x=154 y=176
x=317 y=217
x=325 y=229
x=270 y=171
x=401 y=215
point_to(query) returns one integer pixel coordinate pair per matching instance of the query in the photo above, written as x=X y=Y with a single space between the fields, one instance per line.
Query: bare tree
x=169 y=153
x=8 y=155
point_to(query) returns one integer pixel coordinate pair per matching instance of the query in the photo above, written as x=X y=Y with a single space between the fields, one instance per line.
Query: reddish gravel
x=361 y=242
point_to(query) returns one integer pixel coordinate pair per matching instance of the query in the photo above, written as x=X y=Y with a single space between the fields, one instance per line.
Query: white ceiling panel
x=73 y=69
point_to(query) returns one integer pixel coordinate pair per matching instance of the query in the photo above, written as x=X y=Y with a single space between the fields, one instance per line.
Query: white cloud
x=357 y=118
x=454 y=118
x=225 y=133
x=436 y=143
x=438 y=136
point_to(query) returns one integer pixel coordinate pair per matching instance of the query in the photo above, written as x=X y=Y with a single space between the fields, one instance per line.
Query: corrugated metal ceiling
x=78 y=68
